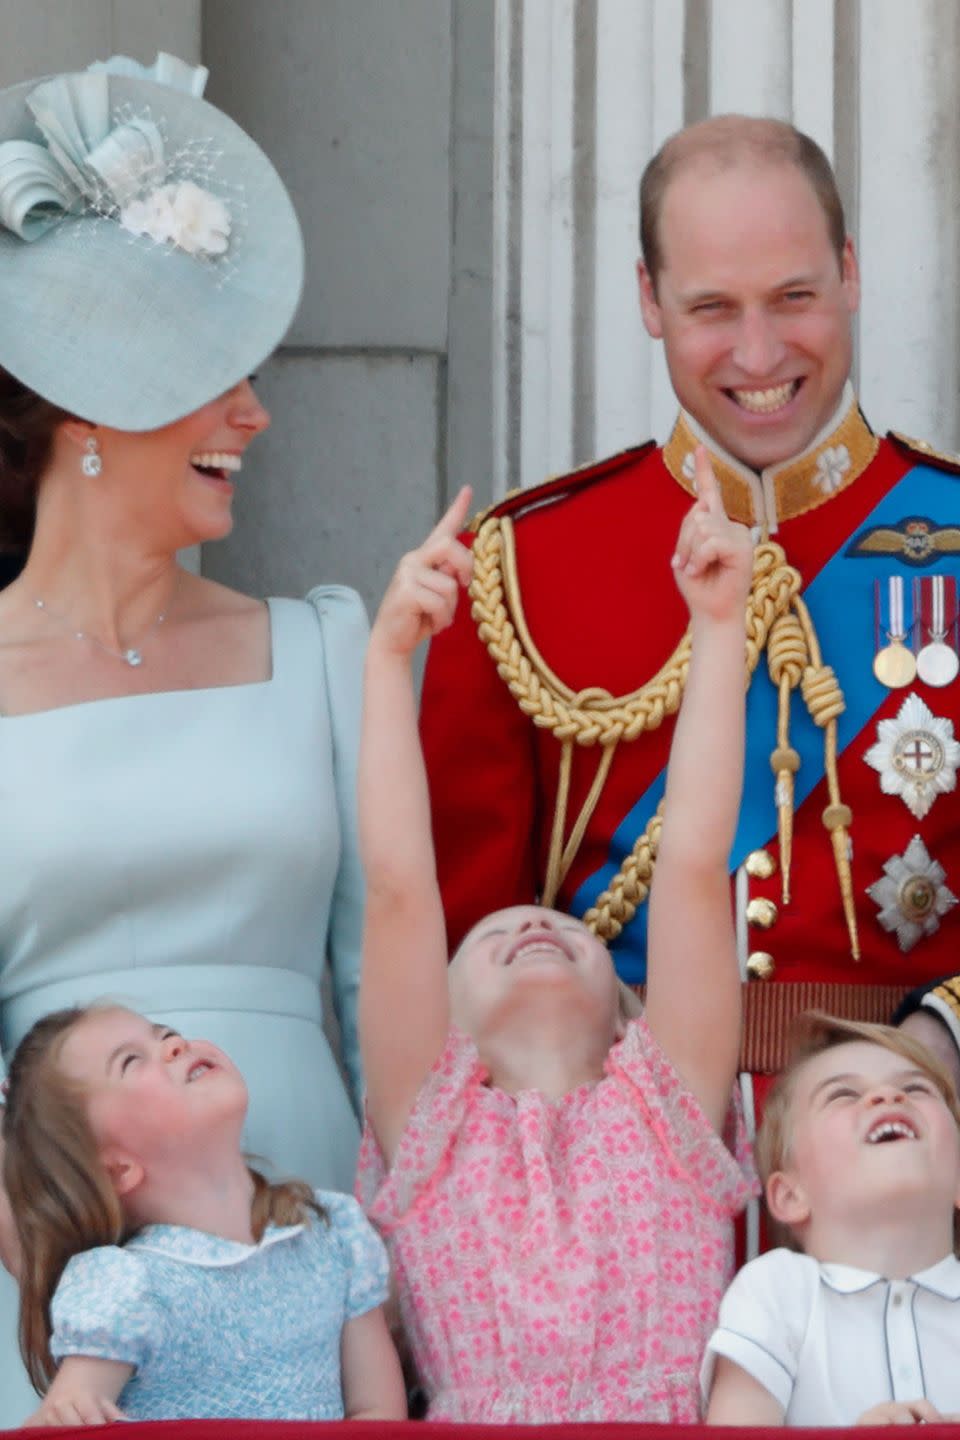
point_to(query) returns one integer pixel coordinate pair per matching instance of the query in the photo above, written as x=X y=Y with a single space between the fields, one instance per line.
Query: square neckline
x=86 y=705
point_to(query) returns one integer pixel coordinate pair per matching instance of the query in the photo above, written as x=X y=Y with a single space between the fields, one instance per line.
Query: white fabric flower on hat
x=183 y=214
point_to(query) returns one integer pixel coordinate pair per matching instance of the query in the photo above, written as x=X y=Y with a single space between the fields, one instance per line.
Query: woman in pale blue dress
x=177 y=760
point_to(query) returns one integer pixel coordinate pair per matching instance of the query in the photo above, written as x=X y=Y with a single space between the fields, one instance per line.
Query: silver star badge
x=911 y=895
x=916 y=755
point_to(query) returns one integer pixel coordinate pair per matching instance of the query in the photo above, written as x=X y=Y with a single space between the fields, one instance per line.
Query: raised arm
x=693 y=985
x=404 y=1005
x=480 y=752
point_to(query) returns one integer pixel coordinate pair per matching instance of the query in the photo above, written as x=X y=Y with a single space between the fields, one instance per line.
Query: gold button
x=762 y=913
x=760 y=864
x=760 y=965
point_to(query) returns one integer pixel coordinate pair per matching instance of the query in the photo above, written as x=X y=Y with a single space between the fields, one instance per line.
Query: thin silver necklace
x=132 y=656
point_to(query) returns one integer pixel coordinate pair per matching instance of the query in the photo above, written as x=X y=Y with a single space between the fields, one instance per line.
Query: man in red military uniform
x=547 y=708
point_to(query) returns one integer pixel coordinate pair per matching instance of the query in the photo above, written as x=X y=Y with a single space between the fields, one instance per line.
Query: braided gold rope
x=776 y=617
x=595 y=717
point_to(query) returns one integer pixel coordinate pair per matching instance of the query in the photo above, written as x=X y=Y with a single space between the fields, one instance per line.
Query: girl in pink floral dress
x=556 y=1184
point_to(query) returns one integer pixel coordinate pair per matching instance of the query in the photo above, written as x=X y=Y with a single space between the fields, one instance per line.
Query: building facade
x=466 y=173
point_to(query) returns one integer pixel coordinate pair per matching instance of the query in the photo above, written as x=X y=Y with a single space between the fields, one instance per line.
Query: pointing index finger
x=708 y=488
x=449 y=525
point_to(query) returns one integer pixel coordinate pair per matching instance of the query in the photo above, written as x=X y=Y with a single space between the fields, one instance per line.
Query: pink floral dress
x=559 y=1260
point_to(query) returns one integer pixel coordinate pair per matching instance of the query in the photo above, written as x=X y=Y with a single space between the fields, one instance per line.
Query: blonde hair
x=61 y=1195
x=813 y=1034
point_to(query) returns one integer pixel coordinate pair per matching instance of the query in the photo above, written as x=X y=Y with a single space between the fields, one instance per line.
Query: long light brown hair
x=61 y=1195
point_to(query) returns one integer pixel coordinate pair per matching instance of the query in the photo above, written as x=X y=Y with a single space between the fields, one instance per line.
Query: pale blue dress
x=217 y=1329
x=193 y=854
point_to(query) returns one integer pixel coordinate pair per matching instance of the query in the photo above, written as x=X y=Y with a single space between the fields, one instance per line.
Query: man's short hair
x=724 y=142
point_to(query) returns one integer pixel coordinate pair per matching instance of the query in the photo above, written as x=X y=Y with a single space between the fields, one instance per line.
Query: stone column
x=39 y=37
x=585 y=92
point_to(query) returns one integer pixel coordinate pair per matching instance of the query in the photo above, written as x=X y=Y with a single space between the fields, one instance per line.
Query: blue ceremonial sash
x=844 y=589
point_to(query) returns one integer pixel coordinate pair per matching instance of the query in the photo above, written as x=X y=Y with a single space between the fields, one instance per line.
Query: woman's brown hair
x=27 y=427
x=62 y=1199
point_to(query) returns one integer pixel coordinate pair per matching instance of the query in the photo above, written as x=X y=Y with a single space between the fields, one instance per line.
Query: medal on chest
x=912 y=895
x=894 y=664
x=916 y=756
x=935 y=606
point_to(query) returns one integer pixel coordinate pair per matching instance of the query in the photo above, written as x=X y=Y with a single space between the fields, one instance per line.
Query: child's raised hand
x=713 y=561
x=422 y=596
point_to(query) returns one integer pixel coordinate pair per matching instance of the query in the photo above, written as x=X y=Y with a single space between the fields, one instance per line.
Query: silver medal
x=937 y=663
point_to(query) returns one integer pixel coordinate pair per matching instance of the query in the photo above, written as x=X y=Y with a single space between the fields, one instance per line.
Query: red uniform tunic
x=593 y=553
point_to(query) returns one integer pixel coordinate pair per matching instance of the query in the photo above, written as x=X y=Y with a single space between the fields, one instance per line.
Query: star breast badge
x=916 y=756
x=911 y=895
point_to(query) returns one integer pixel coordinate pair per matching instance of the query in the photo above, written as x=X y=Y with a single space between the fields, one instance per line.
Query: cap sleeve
x=762 y=1322
x=344 y=630
x=427 y=1139
x=720 y=1167
x=103 y=1308
x=361 y=1250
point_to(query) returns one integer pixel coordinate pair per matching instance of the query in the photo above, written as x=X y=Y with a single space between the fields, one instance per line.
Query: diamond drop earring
x=91 y=464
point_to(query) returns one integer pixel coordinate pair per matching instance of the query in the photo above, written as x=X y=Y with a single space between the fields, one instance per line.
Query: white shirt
x=830 y=1341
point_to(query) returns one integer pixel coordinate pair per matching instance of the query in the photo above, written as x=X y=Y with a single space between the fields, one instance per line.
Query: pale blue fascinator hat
x=150 y=257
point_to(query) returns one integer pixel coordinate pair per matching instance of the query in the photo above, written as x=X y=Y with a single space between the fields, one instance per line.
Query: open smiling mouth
x=216 y=464
x=890 y=1130
x=764 y=402
x=198 y=1069
x=548 y=948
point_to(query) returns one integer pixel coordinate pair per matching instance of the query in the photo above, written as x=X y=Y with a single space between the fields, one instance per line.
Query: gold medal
x=895 y=666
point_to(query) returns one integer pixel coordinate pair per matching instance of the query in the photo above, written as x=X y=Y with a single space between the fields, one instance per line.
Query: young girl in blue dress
x=161 y=1277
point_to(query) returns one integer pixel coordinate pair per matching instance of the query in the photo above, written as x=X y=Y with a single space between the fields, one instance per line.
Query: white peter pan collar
x=942 y=1279
x=198 y=1247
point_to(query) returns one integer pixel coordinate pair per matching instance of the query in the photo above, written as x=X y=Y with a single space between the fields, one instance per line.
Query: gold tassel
x=824 y=700
x=787 y=656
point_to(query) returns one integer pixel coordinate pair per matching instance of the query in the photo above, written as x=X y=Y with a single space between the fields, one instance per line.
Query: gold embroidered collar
x=837 y=457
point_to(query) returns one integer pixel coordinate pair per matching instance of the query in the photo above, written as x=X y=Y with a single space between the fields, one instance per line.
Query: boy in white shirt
x=859 y=1152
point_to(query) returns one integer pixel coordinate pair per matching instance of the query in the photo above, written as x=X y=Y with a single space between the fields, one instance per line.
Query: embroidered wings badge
x=916 y=541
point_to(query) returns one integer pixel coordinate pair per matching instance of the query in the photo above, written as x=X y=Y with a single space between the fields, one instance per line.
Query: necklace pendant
x=133 y=657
